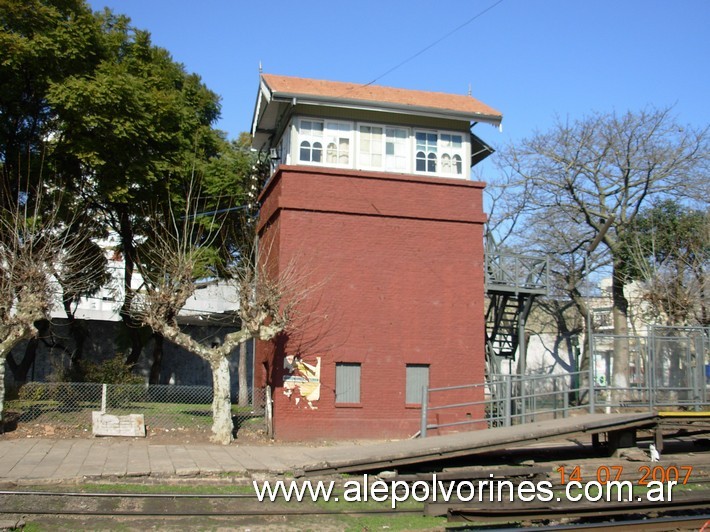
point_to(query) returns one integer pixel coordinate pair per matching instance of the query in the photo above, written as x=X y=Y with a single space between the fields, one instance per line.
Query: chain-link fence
x=669 y=367
x=70 y=404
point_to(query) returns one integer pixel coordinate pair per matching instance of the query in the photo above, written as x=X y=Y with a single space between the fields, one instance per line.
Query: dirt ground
x=154 y=435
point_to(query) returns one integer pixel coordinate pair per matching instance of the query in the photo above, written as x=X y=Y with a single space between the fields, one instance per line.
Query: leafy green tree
x=89 y=105
x=43 y=42
x=132 y=132
x=667 y=249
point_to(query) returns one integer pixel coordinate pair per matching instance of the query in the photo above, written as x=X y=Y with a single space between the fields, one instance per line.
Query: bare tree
x=35 y=249
x=172 y=262
x=595 y=174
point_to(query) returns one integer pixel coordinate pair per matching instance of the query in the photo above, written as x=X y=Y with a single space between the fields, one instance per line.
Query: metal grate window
x=347 y=382
x=417 y=380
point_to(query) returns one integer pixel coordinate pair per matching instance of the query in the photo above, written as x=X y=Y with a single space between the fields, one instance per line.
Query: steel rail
x=511 y=513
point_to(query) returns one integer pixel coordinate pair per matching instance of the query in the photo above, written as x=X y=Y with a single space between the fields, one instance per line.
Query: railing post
x=425 y=400
x=590 y=341
x=104 y=388
x=651 y=375
x=554 y=398
x=565 y=402
x=508 y=399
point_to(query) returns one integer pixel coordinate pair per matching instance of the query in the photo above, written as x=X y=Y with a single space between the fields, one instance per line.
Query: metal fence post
x=591 y=363
x=508 y=399
x=565 y=403
x=425 y=400
x=103 y=398
x=651 y=375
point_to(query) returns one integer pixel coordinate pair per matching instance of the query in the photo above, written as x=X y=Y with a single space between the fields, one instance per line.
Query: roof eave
x=352 y=103
x=265 y=95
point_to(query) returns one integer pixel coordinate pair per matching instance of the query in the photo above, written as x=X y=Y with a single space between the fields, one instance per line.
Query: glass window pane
x=317 y=150
x=421 y=162
x=446 y=163
x=305 y=151
x=431 y=163
x=331 y=154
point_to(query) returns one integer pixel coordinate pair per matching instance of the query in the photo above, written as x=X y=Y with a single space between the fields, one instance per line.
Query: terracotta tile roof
x=353 y=92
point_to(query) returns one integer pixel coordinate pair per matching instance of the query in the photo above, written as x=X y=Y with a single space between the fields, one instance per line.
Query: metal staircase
x=512 y=282
x=503 y=321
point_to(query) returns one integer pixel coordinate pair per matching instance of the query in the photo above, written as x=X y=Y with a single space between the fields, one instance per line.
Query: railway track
x=688 y=511
x=30 y=502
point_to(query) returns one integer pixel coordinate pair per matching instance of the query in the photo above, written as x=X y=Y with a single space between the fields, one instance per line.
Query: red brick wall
x=397 y=265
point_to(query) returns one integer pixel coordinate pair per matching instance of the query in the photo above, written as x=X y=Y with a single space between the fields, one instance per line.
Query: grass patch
x=157 y=414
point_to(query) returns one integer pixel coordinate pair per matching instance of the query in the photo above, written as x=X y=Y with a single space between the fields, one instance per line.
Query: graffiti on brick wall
x=303 y=378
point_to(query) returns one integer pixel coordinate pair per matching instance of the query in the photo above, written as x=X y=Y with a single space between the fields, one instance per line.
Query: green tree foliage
x=43 y=42
x=667 y=249
x=90 y=105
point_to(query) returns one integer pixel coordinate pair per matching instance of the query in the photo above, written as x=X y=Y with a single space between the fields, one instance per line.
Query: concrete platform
x=41 y=460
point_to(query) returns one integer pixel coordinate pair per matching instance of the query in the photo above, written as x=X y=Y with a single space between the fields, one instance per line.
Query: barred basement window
x=347 y=382
x=417 y=380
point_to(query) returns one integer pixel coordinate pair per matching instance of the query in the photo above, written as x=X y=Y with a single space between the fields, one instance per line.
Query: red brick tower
x=372 y=199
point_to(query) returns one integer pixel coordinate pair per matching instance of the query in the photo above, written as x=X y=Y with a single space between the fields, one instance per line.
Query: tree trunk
x=620 y=314
x=134 y=333
x=21 y=369
x=78 y=334
x=9 y=338
x=129 y=261
x=242 y=376
x=222 y=426
x=2 y=394
x=157 y=364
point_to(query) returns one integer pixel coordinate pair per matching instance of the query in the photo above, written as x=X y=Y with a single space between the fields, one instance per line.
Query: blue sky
x=530 y=59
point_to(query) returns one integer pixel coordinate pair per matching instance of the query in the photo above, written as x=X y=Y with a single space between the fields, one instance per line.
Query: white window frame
x=443 y=150
x=311 y=141
x=361 y=163
x=388 y=136
x=406 y=153
x=334 y=132
x=341 y=142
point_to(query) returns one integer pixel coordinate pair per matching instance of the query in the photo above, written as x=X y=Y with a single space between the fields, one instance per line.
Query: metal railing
x=70 y=404
x=504 y=401
x=511 y=272
x=669 y=367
